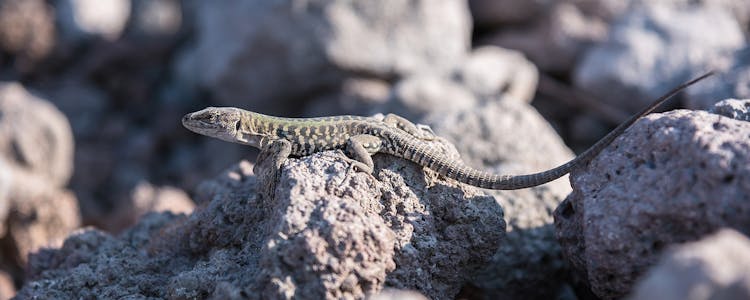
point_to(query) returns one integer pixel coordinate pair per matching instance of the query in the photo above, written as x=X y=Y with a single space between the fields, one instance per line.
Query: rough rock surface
x=312 y=44
x=733 y=108
x=715 y=267
x=492 y=132
x=321 y=235
x=671 y=178
x=654 y=49
x=508 y=136
x=495 y=135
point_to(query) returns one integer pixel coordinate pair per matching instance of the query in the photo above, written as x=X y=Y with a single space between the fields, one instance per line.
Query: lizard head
x=226 y=123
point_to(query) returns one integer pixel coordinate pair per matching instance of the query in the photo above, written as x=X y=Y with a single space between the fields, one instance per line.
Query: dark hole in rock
x=567 y=210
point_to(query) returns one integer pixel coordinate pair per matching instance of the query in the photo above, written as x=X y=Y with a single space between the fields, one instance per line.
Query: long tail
x=471 y=176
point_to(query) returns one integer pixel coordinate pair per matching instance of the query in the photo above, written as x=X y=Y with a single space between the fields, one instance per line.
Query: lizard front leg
x=419 y=131
x=269 y=162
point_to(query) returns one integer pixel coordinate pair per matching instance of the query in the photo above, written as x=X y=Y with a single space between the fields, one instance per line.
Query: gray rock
x=508 y=136
x=715 y=267
x=731 y=81
x=733 y=108
x=671 y=178
x=312 y=45
x=492 y=132
x=492 y=71
x=322 y=234
x=653 y=49
x=496 y=135
x=34 y=135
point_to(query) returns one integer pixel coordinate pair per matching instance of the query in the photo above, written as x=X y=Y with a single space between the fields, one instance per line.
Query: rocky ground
x=103 y=194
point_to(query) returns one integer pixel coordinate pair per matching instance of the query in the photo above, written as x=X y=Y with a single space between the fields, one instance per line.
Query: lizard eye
x=237 y=126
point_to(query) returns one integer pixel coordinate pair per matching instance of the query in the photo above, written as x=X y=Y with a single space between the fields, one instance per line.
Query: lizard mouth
x=199 y=123
x=215 y=122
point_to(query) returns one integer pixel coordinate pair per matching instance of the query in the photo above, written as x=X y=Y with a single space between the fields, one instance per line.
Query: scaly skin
x=361 y=137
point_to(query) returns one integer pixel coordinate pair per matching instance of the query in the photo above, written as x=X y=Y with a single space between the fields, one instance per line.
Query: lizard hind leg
x=420 y=131
x=359 y=150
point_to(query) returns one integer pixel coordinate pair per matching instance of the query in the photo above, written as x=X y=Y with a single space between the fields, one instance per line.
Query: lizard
x=360 y=137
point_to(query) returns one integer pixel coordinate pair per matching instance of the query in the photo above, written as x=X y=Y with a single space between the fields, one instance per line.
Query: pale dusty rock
x=7 y=288
x=27 y=30
x=321 y=235
x=611 y=10
x=492 y=70
x=671 y=178
x=40 y=215
x=393 y=294
x=36 y=161
x=715 y=267
x=510 y=137
x=556 y=41
x=6 y=185
x=82 y=18
x=313 y=44
x=34 y=135
x=733 y=108
x=653 y=49
x=147 y=198
x=731 y=81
